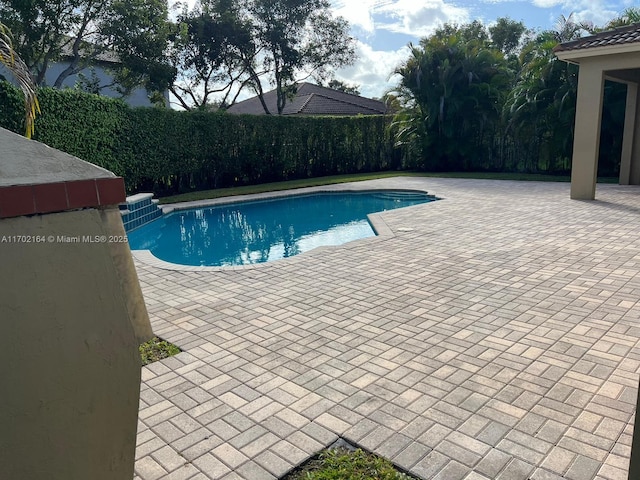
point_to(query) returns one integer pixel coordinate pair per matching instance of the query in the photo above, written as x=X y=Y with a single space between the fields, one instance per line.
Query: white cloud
x=373 y=69
x=412 y=17
x=590 y=11
x=385 y=19
x=598 y=12
x=421 y=17
x=547 y=3
x=359 y=14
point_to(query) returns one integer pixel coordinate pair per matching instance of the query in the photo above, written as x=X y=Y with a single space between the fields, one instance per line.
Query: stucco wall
x=69 y=364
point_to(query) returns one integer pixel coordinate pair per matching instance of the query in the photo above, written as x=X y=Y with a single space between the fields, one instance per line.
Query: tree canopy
x=212 y=45
x=131 y=35
x=298 y=39
x=343 y=87
x=507 y=35
x=206 y=57
x=458 y=83
x=495 y=93
x=223 y=47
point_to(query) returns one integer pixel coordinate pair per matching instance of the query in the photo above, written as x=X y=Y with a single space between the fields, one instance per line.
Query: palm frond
x=20 y=71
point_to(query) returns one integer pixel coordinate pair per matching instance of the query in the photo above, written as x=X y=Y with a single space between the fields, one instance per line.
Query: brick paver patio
x=491 y=335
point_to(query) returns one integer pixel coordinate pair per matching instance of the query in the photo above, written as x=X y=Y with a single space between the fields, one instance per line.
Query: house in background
x=313 y=99
x=96 y=78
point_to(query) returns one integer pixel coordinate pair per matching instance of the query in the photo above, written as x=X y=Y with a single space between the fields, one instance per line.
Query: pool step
x=138 y=210
x=404 y=195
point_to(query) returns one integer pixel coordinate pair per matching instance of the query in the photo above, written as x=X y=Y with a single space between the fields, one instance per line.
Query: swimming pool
x=249 y=232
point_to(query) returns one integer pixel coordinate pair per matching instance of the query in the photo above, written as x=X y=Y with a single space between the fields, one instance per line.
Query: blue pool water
x=244 y=233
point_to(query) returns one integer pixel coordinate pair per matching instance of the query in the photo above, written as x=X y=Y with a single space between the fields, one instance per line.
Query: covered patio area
x=615 y=56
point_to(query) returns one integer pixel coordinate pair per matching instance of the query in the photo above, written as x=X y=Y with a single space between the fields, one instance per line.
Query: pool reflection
x=256 y=232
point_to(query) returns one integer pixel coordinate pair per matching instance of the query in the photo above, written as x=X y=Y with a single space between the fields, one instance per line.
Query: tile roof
x=313 y=99
x=618 y=36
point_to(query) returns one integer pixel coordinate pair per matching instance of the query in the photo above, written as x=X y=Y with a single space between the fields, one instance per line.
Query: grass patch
x=314 y=182
x=156 y=349
x=342 y=463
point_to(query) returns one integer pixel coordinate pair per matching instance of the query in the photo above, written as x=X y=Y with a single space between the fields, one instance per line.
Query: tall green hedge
x=11 y=108
x=169 y=151
x=84 y=125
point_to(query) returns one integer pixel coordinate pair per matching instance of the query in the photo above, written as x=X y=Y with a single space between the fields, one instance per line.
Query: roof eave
x=574 y=56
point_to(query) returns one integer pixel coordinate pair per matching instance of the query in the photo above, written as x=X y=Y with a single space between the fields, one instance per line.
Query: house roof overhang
x=620 y=65
x=574 y=56
x=616 y=52
x=623 y=41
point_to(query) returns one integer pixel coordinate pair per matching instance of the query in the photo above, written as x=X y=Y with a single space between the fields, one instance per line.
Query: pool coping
x=381 y=229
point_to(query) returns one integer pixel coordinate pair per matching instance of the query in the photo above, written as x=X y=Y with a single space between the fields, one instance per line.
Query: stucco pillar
x=626 y=159
x=634 y=143
x=72 y=317
x=586 y=143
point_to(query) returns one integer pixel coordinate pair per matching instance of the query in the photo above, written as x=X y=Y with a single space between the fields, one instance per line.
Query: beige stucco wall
x=627 y=162
x=69 y=363
x=586 y=140
x=632 y=137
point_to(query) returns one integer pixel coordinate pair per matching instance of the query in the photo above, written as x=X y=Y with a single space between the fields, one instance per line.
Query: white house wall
x=139 y=97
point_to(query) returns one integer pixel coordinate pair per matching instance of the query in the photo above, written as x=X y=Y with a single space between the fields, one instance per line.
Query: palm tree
x=540 y=109
x=19 y=70
x=567 y=29
x=456 y=79
x=630 y=16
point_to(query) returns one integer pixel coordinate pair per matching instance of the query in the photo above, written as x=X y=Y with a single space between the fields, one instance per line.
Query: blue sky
x=383 y=28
